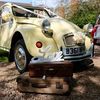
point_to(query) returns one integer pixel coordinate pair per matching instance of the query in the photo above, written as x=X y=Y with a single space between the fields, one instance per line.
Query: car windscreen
x=51 y=14
x=40 y=11
x=32 y=12
x=23 y=12
x=18 y=12
x=43 y=11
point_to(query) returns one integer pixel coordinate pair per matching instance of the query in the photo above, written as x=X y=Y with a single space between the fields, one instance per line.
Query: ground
x=86 y=85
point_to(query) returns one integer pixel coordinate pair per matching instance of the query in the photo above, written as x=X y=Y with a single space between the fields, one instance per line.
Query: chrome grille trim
x=69 y=40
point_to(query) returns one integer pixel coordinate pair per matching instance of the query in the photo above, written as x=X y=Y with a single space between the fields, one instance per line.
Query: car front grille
x=72 y=47
x=69 y=40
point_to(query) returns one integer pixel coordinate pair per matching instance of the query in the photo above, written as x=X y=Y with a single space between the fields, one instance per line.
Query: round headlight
x=46 y=24
x=47 y=31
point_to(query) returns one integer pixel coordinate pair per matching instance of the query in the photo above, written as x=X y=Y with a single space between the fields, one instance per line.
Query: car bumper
x=88 y=54
x=77 y=58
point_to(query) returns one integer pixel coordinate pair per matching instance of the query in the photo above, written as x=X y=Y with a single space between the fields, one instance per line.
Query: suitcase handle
x=39 y=85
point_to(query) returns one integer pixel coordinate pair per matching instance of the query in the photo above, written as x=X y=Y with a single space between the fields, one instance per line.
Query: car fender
x=32 y=34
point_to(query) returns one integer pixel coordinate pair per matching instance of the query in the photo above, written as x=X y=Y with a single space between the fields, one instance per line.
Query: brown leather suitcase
x=51 y=69
x=50 y=85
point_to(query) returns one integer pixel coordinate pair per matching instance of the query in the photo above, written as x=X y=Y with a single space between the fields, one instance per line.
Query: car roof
x=25 y=6
x=28 y=7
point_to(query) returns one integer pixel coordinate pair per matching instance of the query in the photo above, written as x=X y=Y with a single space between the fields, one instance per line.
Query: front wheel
x=21 y=56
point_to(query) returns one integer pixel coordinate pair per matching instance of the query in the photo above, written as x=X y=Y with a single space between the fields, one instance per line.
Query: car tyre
x=21 y=56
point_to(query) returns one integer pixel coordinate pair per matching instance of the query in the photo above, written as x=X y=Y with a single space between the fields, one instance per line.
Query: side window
x=4 y=11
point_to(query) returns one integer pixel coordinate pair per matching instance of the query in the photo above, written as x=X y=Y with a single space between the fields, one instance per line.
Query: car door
x=5 y=29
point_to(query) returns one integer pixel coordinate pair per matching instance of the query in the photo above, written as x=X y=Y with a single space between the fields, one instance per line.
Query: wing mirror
x=6 y=15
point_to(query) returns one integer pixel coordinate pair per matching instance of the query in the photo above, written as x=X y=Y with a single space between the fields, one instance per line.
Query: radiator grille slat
x=69 y=40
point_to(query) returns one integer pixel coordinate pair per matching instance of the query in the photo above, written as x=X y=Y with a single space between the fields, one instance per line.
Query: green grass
x=3 y=59
x=3 y=56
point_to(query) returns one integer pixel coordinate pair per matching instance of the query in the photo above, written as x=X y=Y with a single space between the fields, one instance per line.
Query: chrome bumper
x=88 y=54
x=77 y=58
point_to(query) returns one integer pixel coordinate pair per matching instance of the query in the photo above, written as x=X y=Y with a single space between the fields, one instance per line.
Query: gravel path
x=87 y=84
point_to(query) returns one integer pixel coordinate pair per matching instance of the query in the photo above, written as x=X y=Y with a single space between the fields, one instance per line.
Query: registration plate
x=73 y=50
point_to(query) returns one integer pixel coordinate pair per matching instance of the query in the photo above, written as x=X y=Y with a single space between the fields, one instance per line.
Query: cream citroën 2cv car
x=26 y=32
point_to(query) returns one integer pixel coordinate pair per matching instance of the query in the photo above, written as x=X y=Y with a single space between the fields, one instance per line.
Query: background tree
x=87 y=12
x=74 y=4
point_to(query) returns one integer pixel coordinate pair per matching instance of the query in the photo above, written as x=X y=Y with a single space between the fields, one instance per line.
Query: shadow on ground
x=86 y=83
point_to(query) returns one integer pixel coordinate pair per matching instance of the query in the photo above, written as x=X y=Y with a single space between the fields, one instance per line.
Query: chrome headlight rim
x=46 y=29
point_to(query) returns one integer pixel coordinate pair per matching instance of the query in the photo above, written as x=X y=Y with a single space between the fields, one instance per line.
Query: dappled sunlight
x=95 y=80
x=7 y=71
x=86 y=84
x=80 y=89
x=3 y=64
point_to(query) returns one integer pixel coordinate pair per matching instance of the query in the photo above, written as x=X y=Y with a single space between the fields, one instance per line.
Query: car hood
x=60 y=28
x=63 y=27
x=59 y=24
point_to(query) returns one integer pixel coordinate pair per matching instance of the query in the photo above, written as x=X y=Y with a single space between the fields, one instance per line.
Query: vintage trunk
x=51 y=69
x=50 y=85
x=52 y=77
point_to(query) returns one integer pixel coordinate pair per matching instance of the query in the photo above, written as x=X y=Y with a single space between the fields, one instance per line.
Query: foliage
x=3 y=59
x=3 y=56
x=87 y=12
